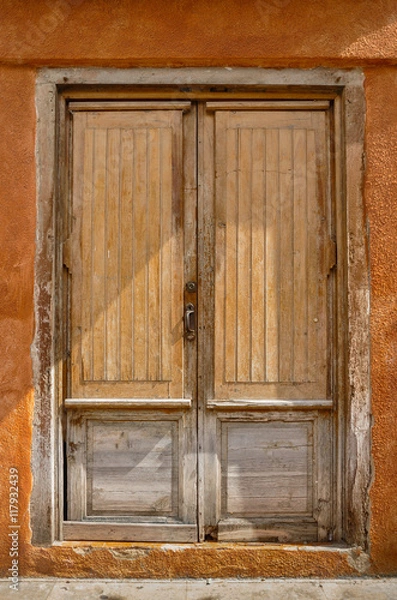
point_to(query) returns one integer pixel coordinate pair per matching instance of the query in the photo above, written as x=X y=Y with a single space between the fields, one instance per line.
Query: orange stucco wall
x=381 y=198
x=268 y=33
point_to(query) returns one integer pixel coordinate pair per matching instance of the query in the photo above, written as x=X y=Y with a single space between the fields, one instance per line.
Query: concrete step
x=210 y=589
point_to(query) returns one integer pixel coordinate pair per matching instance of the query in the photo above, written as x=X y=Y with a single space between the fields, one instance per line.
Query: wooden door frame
x=345 y=87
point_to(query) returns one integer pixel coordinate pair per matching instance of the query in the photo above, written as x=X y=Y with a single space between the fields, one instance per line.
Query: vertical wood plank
x=286 y=349
x=258 y=256
x=315 y=278
x=187 y=454
x=244 y=251
x=154 y=240
x=324 y=470
x=98 y=250
x=112 y=258
x=167 y=160
x=126 y=256
x=211 y=371
x=300 y=255
x=272 y=255
x=77 y=469
x=226 y=233
x=177 y=308
x=140 y=254
x=86 y=233
x=224 y=182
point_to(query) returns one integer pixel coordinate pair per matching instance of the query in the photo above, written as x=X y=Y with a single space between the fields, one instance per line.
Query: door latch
x=190 y=321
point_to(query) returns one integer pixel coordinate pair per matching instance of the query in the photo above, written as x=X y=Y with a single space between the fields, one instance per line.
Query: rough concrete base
x=211 y=589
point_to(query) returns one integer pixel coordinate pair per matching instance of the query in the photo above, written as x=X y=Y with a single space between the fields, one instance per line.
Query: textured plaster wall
x=17 y=250
x=208 y=32
x=381 y=201
x=272 y=33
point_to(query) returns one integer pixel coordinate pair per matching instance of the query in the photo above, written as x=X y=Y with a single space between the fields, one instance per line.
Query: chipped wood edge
x=44 y=461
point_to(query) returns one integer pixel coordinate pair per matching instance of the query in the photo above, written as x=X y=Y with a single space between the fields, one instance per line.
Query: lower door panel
x=131 y=476
x=274 y=477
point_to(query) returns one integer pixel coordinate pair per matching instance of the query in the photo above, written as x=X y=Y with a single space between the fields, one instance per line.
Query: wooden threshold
x=272 y=531
x=127 y=532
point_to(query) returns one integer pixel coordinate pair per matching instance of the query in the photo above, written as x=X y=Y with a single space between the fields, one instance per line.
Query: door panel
x=270 y=240
x=131 y=428
x=273 y=473
x=128 y=261
x=273 y=477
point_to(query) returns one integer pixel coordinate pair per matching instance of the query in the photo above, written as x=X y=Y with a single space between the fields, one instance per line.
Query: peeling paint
x=359 y=561
x=129 y=554
x=82 y=551
x=172 y=548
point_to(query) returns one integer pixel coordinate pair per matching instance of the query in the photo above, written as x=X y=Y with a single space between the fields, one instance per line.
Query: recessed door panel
x=271 y=234
x=127 y=248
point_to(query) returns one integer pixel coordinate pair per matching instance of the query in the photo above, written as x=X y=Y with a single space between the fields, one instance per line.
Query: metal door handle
x=190 y=321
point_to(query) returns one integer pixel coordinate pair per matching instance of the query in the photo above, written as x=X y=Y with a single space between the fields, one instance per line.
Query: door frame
x=345 y=89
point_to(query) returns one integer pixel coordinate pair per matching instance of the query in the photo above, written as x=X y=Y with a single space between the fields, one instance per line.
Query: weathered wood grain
x=127 y=261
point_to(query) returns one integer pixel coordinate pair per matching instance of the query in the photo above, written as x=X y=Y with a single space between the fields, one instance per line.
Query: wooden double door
x=199 y=307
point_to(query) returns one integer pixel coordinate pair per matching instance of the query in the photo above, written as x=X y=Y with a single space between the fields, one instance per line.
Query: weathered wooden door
x=200 y=385
x=132 y=449
x=267 y=348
